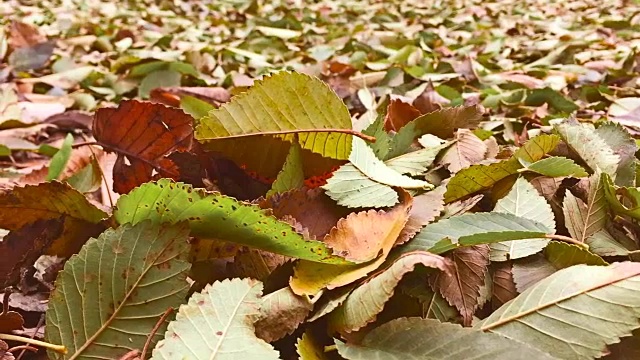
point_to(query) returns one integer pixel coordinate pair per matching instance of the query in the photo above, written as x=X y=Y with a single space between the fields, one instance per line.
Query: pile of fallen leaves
x=342 y=179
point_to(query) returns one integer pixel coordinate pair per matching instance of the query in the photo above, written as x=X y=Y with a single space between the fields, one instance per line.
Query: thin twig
x=57 y=348
x=40 y=323
x=154 y=331
x=567 y=239
x=23 y=348
x=86 y=143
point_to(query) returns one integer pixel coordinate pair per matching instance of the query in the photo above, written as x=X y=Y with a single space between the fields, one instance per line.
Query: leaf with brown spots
x=22 y=247
x=21 y=206
x=143 y=134
x=462 y=288
x=110 y=296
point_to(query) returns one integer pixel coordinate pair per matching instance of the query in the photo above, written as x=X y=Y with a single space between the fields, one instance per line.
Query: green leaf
x=556 y=166
x=603 y=244
x=217 y=323
x=109 y=297
x=195 y=107
x=292 y=174
x=60 y=159
x=351 y=188
x=475 y=229
x=551 y=97
x=88 y=179
x=283 y=103
x=434 y=306
x=523 y=201
x=574 y=313
x=416 y=338
x=585 y=142
x=216 y=216
x=563 y=255
x=158 y=79
x=367 y=300
x=583 y=220
x=479 y=177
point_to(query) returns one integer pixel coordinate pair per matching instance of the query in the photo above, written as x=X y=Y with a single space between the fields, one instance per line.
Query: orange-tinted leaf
x=10 y=321
x=462 y=288
x=20 y=206
x=399 y=114
x=430 y=100
x=255 y=263
x=22 y=247
x=309 y=278
x=24 y=35
x=142 y=133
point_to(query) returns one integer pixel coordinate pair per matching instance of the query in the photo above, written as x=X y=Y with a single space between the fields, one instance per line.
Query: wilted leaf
x=576 y=297
x=216 y=216
x=204 y=332
x=462 y=287
x=105 y=311
x=523 y=201
x=466 y=151
x=590 y=147
x=399 y=114
x=321 y=121
x=416 y=338
x=21 y=206
x=142 y=133
x=367 y=300
x=281 y=313
x=22 y=247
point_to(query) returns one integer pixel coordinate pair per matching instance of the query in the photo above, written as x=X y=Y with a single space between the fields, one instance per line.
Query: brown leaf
x=426 y=208
x=462 y=288
x=142 y=133
x=430 y=100
x=22 y=247
x=504 y=288
x=311 y=208
x=399 y=114
x=207 y=249
x=281 y=313
x=255 y=263
x=24 y=35
x=528 y=271
x=171 y=96
x=71 y=120
x=466 y=151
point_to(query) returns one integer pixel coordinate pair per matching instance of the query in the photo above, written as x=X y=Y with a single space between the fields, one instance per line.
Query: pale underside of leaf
x=109 y=296
x=523 y=201
x=583 y=220
x=416 y=338
x=350 y=187
x=590 y=147
x=280 y=314
x=217 y=323
x=466 y=151
x=574 y=313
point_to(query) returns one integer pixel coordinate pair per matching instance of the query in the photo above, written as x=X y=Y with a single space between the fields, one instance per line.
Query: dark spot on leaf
x=219 y=333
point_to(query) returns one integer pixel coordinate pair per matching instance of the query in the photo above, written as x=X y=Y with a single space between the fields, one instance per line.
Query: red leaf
x=142 y=133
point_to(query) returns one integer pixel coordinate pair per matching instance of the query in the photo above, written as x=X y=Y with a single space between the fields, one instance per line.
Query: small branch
x=88 y=143
x=567 y=239
x=154 y=331
x=57 y=348
x=23 y=348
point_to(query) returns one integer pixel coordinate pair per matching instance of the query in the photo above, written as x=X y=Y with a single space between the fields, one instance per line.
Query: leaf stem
x=57 y=348
x=154 y=331
x=86 y=143
x=567 y=239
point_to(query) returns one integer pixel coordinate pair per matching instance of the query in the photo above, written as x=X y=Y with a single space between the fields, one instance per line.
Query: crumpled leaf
x=462 y=287
x=92 y=307
x=142 y=133
x=590 y=147
x=367 y=300
x=204 y=332
x=416 y=338
x=524 y=201
x=281 y=313
x=21 y=206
